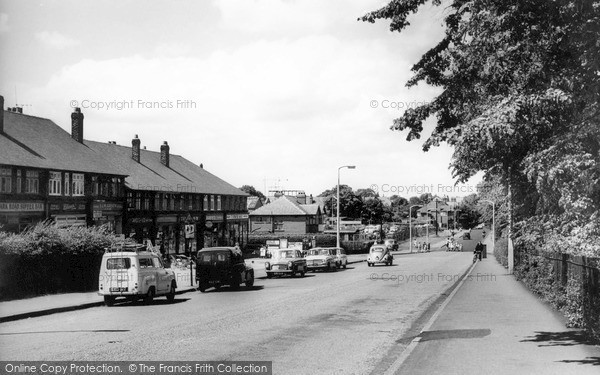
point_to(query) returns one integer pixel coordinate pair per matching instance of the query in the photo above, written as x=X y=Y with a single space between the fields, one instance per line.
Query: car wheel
x=109 y=300
x=345 y=265
x=269 y=275
x=333 y=267
x=203 y=288
x=235 y=285
x=171 y=294
x=302 y=274
x=217 y=286
x=250 y=282
x=149 y=296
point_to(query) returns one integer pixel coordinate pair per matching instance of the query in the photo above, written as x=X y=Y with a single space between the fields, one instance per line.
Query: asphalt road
x=353 y=321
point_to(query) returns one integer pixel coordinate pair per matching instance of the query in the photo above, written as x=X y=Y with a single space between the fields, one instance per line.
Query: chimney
x=164 y=154
x=19 y=109
x=77 y=125
x=201 y=165
x=1 y=114
x=135 y=148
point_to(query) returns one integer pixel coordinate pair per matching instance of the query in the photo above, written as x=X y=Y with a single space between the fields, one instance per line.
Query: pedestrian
x=428 y=246
x=478 y=250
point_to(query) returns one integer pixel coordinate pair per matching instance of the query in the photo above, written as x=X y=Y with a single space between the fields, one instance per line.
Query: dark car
x=217 y=266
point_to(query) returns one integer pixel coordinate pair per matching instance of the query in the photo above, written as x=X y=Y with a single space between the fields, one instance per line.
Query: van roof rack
x=125 y=247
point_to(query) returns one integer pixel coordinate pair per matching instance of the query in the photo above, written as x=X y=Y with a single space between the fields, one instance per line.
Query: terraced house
x=152 y=196
x=166 y=192
x=48 y=174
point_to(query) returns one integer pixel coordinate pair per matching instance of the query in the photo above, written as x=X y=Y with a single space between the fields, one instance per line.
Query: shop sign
x=140 y=220
x=237 y=216
x=21 y=206
x=214 y=217
x=272 y=242
x=107 y=206
x=190 y=231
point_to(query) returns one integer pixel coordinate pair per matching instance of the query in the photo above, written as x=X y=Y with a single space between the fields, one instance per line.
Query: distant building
x=285 y=215
x=439 y=209
x=48 y=174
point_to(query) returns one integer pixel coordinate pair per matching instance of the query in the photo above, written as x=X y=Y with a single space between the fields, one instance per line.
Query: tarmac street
x=343 y=322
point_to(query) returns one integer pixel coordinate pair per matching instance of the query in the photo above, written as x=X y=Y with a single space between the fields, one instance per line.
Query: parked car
x=321 y=258
x=286 y=262
x=379 y=254
x=218 y=266
x=391 y=243
x=132 y=272
x=180 y=260
x=341 y=259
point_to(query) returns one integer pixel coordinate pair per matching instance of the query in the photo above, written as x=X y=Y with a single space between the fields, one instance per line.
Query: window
x=55 y=183
x=278 y=226
x=32 y=182
x=118 y=263
x=67 y=185
x=146 y=263
x=145 y=202
x=114 y=191
x=205 y=206
x=157 y=201
x=19 y=181
x=137 y=199
x=218 y=203
x=212 y=202
x=5 y=180
x=95 y=187
x=77 y=182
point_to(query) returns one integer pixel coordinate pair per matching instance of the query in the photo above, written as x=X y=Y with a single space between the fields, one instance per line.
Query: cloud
x=55 y=40
x=4 y=23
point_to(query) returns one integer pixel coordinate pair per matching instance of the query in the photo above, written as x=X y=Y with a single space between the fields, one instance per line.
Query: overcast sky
x=271 y=93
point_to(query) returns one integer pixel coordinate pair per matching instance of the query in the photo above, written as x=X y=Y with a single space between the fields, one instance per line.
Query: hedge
x=46 y=259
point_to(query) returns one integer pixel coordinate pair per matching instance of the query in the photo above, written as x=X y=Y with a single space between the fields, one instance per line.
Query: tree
x=252 y=191
x=519 y=101
x=469 y=215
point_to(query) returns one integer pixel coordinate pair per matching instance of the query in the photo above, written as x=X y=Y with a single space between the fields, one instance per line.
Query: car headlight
x=267 y=265
x=290 y=265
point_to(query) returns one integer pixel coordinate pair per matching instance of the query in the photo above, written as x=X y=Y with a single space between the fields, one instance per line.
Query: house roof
x=254 y=202
x=282 y=206
x=431 y=206
x=182 y=176
x=37 y=142
x=311 y=209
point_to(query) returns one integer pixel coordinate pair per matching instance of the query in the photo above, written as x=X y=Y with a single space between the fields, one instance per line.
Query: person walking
x=478 y=250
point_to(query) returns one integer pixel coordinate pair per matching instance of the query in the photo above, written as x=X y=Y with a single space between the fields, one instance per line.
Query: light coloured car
x=286 y=262
x=321 y=258
x=380 y=254
x=340 y=257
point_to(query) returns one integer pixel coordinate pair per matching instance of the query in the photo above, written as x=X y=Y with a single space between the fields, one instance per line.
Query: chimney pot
x=164 y=154
x=77 y=125
x=135 y=148
x=201 y=165
x=19 y=109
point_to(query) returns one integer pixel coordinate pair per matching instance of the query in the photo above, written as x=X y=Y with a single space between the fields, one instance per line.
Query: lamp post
x=337 y=223
x=493 y=223
x=410 y=224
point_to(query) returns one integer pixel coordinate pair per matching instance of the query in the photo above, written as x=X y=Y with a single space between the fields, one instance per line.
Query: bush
x=46 y=259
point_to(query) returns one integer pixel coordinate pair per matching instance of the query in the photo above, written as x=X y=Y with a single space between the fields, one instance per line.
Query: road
x=353 y=321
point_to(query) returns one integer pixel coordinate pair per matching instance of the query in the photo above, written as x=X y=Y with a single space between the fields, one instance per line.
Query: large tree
x=520 y=91
x=251 y=190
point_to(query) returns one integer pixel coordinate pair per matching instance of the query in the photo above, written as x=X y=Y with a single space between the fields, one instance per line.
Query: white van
x=134 y=273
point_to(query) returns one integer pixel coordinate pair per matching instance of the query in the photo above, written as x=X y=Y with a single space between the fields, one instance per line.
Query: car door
x=163 y=278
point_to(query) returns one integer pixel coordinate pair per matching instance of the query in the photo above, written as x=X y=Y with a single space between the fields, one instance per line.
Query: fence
x=582 y=273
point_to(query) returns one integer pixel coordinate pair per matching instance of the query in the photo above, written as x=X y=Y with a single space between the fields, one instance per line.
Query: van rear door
x=117 y=274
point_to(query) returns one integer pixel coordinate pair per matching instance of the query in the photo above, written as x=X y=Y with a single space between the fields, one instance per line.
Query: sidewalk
x=495 y=325
x=55 y=303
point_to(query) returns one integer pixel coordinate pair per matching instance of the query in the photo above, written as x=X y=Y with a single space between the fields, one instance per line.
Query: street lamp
x=493 y=224
x=338 y=203
x=410 y=224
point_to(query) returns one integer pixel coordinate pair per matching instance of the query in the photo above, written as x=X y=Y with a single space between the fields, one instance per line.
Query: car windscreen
x=377 y=250
x=283 y=254
x=312 y=252
x=118 y=263
x=213 y=257
x=325 y=252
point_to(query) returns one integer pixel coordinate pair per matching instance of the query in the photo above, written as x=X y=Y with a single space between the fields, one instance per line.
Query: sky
x=277 y=94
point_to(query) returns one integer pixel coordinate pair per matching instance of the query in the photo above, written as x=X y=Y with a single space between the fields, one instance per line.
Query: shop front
x=141 y=229
x=108 y=214
x=15 y=216
x=68 y=214
x=214 y=230
x=236 y=229
x=167 y=234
